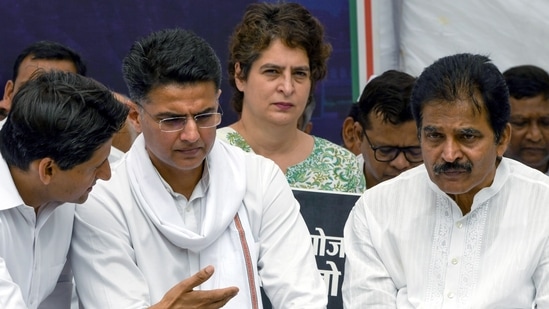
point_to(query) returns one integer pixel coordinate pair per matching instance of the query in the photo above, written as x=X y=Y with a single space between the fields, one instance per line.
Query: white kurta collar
x=228 y=190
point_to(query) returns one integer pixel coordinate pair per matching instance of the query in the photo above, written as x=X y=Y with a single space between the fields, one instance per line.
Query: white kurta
x=115 y=155
x=33 y=250
x=121 y=259
x=409 y=246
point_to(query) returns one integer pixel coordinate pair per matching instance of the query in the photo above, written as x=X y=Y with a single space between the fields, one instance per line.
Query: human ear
x=5 y=103
x=351 y=140
x=46 y=170
x=237 y=80
x=133 y=117
x=504 y=140
x=8 y=90
x=308 y=127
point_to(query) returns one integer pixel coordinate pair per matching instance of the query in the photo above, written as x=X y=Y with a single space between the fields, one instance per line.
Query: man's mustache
x=452 y=166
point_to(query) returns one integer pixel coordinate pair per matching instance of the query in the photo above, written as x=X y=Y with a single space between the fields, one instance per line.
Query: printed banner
x=325 y=214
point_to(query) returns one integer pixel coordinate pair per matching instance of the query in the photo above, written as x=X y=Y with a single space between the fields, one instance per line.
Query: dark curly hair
x=262 y=23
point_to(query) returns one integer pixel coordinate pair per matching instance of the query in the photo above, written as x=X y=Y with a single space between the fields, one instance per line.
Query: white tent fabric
x=411 y=34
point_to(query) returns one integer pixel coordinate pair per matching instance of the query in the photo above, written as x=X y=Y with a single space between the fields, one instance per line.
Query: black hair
x=170 y=56
x=527 y=81
x=60 y=115
x=464 y=77
x=389 y=95
x=261 y=24
x=49 y=50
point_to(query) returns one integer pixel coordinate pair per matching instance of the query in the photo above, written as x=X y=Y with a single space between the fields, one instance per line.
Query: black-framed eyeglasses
x=389 y=153
x=175 y=124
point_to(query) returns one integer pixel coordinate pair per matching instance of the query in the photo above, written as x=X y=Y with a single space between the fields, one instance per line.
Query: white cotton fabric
x=409 y=246
x=33 y=251
x=150 y=194
x=130 y=246
x=115 y=155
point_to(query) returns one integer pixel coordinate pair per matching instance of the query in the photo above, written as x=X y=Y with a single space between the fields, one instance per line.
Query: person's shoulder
x=254 y=166
x=525 y=173
x=330 y=148
x=113 y=189
x=231 y=137
x=115 y=155
x=226 y=134
x=243 y=153
x=399 y=198
x=118 y=170
x=322 y=142
x=221 y=132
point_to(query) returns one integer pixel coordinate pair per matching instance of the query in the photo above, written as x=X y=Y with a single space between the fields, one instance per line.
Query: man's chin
x=82 y=199
x=536 y=161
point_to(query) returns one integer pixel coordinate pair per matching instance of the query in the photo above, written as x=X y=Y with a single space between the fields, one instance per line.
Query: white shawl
x=218 y=242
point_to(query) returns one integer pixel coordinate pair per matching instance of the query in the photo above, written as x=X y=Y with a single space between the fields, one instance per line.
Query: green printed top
x=329 y=167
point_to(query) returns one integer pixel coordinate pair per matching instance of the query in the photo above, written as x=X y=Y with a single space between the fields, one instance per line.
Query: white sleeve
x=287 y=265
x=61 y=296
x=541 y=279
x=102 y=258
x=367 y=283
x=10 y=293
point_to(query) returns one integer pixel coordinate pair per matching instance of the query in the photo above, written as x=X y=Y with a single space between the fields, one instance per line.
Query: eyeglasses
x=389 y=153
x=175 y=124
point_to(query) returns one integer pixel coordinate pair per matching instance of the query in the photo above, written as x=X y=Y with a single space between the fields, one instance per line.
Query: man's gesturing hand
x=183 y=296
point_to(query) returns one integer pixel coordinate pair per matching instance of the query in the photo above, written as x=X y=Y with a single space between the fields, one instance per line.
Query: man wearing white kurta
x=468 y=229
x=42 y=166
x=180 y=201
x=31 y=241
x=428 y=253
